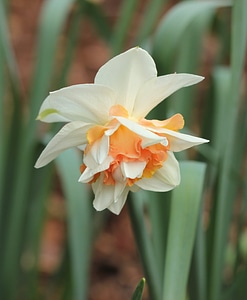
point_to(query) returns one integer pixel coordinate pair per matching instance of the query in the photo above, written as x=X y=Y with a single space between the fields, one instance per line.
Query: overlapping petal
x=180 y=141
x=71 y=135
x=112 y=197
x=164 y=179
x=89 y=173
x=88 y=102
x=148 y=138
x=117 y=206
x=104 y=194
x=152 y=92
x=98 y=152
x=126 y=73
x=133 y=169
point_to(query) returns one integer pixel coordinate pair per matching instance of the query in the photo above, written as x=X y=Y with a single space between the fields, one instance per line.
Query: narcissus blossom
x=123 y=151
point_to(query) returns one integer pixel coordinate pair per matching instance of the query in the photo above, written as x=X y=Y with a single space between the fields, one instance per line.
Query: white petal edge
x=148 y=138
x=164 y=179
x=88 y=102
x=104 y=194
x=154 y=91
x=97 y=153
x=71 y=135
x=132 y=169
x=180 y=141
x=112 y=197
x=88 y=173
x=125 y=73
x=116 y=207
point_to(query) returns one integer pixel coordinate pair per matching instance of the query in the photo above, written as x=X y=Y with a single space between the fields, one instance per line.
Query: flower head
x=123 y=151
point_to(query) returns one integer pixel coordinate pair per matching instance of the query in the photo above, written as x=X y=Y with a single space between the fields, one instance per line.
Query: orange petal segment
x=95 y=133
x=125 y=144
x=175 y=123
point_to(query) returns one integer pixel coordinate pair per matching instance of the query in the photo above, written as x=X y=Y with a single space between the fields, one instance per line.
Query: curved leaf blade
x=139 y=290
x=170 y=31
x=185 y=204
x=79 y=221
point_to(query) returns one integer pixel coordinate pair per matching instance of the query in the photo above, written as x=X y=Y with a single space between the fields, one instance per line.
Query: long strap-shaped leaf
x=139 y=290
x=2 y=123
x=144 y=244
x=123 y=23
x=79 y=221
x=170 y=31
x=182 y=228
x=53 y=16
x=227 y=186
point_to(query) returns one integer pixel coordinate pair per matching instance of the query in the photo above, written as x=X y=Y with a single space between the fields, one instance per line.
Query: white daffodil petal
x=71 y=135
x=164 y=179
x=86 y=176
x=119 y=189
x=118 y=175
x=154 y=91
x=88 y=173
x=100 y=149
x=180 y=141
x=112 y=197
x=104 y=194
x=117 y=206
x=125 y=73
x=82 y=147
x=148 y=138
x=88 y=102
x=133 y=169
x=98 y=153
x=110 y=131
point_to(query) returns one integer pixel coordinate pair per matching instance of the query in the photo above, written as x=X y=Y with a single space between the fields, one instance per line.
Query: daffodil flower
x=123 y=151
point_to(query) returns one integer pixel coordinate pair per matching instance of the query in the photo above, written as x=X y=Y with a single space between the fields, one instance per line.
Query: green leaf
x=188 y=60
x=144 y=244
x=185 y=203
x=54 y=14
x=7 y=50
x=149 y=19
x=99 y=19
x=170 y=31
x=159 y=212
x=123 y=24
x=198 y=274
x=2 y=124
x=139 y=290
x=227 y=183
x=238 y=289
x=79 y=221
x=221 y=81
x=10 y=107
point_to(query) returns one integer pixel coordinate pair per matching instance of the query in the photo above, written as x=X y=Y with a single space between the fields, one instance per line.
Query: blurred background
x=52 y=244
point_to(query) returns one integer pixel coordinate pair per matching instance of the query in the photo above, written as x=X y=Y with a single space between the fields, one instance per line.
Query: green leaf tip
x=46 y=112
x=139 y=290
